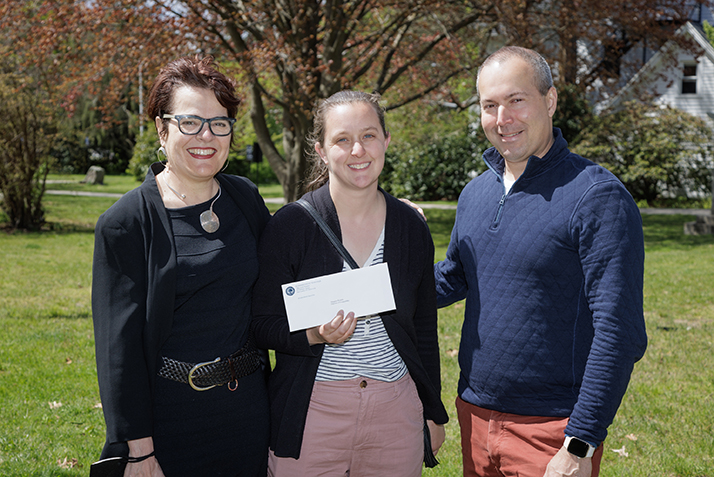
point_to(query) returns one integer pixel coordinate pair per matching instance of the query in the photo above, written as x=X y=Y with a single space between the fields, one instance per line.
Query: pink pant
x=497 y=444
x=359 y=428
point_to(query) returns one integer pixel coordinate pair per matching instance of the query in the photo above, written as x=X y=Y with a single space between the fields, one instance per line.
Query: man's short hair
x=543 y=77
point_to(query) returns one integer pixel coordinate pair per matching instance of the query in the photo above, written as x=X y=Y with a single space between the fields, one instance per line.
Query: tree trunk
x=291 y=168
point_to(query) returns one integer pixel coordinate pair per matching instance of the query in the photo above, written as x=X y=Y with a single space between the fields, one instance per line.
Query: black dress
x=217 y=432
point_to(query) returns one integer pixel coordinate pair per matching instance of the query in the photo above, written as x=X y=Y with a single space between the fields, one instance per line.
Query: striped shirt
x=369 y=352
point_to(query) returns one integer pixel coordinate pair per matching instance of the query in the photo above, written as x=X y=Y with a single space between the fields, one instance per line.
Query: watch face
x=578 y=447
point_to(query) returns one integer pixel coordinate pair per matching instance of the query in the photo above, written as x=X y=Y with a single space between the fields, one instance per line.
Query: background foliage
x=655 y=151
x=434 y=170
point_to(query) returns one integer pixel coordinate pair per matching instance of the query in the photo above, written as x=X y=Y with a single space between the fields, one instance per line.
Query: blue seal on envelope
x=289 y=291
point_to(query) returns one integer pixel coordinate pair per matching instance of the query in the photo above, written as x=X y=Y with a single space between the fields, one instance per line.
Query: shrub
x=655 y=151
x=144 y=154
x=437 y=170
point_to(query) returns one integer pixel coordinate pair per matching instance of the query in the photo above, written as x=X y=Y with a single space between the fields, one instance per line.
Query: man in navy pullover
x=547 y=249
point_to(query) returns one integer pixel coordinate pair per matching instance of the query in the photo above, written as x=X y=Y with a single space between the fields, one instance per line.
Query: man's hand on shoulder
x=566 y=464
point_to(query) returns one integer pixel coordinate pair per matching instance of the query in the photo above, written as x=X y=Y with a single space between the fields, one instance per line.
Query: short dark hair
x=543 y=77
x=195 y=72
x=319 y=173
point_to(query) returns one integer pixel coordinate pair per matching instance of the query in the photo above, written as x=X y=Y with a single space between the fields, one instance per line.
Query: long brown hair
x=319 y=173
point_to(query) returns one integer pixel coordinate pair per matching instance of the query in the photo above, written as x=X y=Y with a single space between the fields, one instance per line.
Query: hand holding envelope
x=334 y=332
x=363 y=291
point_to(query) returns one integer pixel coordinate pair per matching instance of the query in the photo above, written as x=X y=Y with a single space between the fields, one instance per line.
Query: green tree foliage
x=709 y=31
x=436 y=169
x=655 y=151
x=145 y=153
x=574 y=112
x=94 y=136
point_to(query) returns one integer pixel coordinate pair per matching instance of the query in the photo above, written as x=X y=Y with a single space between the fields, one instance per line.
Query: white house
x=680 y=77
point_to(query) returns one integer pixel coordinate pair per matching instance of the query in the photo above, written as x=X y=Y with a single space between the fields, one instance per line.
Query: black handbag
x=429 y=457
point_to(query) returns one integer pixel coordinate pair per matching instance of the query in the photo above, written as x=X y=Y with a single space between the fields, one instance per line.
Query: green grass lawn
x=51 y=425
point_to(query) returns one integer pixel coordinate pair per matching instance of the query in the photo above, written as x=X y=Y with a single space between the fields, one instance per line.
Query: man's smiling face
x=516 y=118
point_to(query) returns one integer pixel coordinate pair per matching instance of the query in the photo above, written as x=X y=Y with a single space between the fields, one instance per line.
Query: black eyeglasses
x=191 y=125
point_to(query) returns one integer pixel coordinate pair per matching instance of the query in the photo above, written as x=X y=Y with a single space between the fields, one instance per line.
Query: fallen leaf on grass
x=452 y=352
x=68 y=361
x=632 y=437
x=622 y=452
x=67 y=464
x=98 y=405
x=55 y=405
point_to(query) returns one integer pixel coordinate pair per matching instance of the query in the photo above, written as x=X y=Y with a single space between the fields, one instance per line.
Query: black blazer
x=294 y=248
x=133 y=289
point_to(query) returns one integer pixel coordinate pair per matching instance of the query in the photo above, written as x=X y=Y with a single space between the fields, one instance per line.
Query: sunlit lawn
x=50 y=424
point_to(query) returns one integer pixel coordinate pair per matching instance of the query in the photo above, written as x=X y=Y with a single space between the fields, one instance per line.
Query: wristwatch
x=578 y=447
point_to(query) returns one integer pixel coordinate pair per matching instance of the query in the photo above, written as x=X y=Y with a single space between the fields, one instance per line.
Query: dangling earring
x=160 y=151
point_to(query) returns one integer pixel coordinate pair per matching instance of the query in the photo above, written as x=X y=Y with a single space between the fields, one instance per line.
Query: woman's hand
x=336 y=331
x=438 y=435
x=146 y=468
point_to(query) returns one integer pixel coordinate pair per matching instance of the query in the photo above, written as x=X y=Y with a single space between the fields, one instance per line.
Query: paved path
x=647 y=211
x=274 y=200
x=279 y=200
x=83 y=194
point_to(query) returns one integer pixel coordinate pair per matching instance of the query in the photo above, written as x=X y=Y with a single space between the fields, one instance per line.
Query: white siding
x=700 y=104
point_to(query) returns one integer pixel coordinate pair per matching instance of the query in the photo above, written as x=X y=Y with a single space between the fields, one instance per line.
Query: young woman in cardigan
x=351 y=396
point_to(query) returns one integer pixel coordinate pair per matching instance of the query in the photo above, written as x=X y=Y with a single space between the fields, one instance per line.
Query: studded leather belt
x=220 y=371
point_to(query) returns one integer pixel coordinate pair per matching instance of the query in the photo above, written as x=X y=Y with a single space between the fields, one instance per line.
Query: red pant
x=497 y=444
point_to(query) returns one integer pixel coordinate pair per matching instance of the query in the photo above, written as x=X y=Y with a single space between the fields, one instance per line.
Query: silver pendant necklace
x=209 y=219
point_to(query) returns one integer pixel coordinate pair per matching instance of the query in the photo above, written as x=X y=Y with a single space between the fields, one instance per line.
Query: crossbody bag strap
x=329 y=233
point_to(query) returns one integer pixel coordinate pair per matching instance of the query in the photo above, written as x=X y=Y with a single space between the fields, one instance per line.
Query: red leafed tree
x=296 y=52
x=589 y=40
x=53 y=51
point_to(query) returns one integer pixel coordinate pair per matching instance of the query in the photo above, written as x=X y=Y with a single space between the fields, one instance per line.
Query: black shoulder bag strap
x=329 y=233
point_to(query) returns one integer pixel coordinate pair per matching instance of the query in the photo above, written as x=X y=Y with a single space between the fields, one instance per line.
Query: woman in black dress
x=174 y=266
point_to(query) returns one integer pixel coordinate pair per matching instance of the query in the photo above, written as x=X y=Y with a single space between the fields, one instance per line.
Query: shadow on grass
x=440 y=222
x=660 y=231
x=667 y=231
x=57 y=228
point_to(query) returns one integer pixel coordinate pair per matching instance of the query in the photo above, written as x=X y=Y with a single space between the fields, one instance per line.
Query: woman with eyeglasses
x=182 y=384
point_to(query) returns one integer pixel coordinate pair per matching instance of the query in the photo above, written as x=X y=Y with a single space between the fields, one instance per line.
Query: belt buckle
x=193 y=370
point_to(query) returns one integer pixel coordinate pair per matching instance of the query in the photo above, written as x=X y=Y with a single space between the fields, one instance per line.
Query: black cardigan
x=294 y=248
x=133 y=290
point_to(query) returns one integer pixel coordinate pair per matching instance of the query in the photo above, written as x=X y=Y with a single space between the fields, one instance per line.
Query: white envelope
x=315 y=301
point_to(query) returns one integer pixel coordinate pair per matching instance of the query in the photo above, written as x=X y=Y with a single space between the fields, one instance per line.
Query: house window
x=689 y=79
